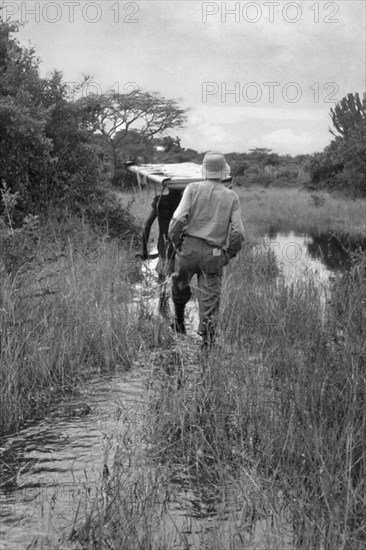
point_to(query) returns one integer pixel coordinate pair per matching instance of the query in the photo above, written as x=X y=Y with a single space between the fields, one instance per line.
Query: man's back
x=209 y=214
x=211 y=209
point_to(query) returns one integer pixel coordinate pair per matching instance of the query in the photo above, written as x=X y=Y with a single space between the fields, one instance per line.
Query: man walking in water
x=210 y=215
x=162 y=208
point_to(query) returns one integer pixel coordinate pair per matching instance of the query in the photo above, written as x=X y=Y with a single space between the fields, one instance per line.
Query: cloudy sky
x=253 y=74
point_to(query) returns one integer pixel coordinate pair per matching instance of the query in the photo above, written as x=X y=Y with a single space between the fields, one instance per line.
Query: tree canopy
x=349 y=115
x=342 y=164
x=46 y=153
x=115 y=116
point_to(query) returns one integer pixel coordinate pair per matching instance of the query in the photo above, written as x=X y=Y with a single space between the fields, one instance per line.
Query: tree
x=133 y=146
x=24 y=148
x=342 y=164
x=349 y=115
x=349 y=147
x=116 y=115
x=263 y=156
x=74 y=170
x=46 y=154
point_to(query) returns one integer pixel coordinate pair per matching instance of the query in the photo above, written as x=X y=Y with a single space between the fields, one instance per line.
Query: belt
x=212 y=245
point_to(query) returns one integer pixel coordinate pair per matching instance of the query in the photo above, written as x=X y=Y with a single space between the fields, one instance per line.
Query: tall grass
x=276 y=209
x=312 y=433
x=284 y=394
x=296 y=210
x=271 y=423
x=63 y=315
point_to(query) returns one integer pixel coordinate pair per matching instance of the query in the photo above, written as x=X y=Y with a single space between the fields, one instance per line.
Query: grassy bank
x=282 y=209
x=64 y=312
x=261 y=443
x=282 y=399
x=292 y=209
x=270 y=425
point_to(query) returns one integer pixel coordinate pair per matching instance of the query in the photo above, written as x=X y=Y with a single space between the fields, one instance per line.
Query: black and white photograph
x=182 y=275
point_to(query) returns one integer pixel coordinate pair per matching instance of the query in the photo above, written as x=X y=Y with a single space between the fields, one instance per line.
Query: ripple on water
x=53 y=464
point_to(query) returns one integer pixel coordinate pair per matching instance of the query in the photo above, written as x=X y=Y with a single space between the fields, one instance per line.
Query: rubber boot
x=178 y=324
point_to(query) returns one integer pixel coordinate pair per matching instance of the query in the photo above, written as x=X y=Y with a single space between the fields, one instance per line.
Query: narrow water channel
x=49 y=467
x=296 y=258
x=322 y=254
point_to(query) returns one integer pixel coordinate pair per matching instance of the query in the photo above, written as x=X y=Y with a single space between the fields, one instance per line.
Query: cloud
x=170 y=49
x=205 y=135
x=240 y=128
x=286 y=141
x=233 y=113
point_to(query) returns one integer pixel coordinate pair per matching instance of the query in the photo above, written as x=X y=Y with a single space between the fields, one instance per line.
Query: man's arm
x=179 y=218
x=146 y=233
x=236 y=235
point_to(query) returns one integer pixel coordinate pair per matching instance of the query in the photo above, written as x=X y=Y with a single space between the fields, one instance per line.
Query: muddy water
x=237 y=520
x=52 y=466
x=295 y=259
x=149 y=290
x=322 y=254
x=49 y=468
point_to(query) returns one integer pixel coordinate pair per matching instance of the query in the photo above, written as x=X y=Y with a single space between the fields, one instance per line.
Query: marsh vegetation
x=259 y=443
x=271 y=424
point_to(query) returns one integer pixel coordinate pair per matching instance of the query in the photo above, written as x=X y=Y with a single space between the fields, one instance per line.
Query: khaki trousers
x=196 y=257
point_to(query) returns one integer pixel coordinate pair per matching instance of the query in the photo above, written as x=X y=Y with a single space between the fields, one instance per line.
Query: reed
x=293 y=209
x=62 y=316
x=270 y=423
x=277 y=209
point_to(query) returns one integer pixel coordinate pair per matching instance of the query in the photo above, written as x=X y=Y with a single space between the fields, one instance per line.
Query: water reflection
x=321 y=254
x=294 y=258
x=52 y=466
x=224 y=513
x=150 y=289
x=49 y=467
x=333 y=250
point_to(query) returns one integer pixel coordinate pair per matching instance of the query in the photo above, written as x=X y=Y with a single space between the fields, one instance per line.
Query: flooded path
x=53 y=466
x=292 y=252
x=52 y=470
x=323 y=254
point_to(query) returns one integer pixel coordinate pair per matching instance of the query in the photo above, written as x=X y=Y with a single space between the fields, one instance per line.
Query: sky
x=252 y=73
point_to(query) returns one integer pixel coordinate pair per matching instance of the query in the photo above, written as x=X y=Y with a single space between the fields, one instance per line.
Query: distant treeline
x=60 y=153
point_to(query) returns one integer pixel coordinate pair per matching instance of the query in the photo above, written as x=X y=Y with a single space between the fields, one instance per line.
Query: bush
x=109 y=216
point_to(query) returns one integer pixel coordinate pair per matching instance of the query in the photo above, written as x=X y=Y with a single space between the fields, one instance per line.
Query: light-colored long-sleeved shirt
x=209 y=211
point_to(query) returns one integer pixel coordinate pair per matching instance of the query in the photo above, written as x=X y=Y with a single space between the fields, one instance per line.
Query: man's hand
x=225 y=258
x=176 y=232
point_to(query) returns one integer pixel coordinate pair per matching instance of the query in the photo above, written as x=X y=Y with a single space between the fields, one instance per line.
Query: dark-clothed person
x=162 y=209
x=210 y=216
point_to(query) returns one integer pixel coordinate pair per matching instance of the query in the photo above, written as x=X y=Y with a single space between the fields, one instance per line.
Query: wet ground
x=52 y=466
